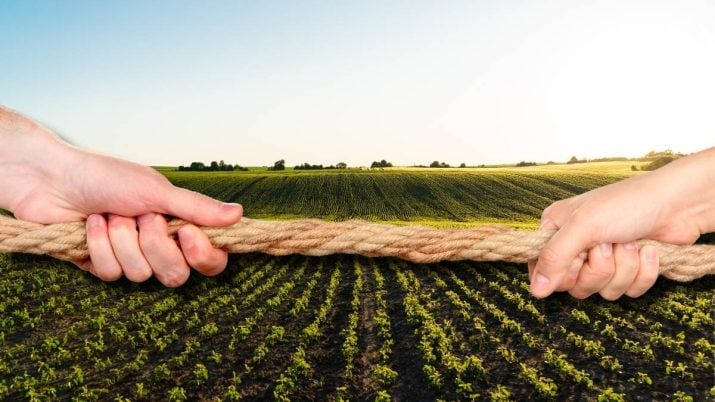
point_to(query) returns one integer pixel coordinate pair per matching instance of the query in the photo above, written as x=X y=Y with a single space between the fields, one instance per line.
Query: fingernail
x=231 y=207
x=540 y=284
x=650 y=254
x=93 y=221
x=606 y=249
x=631 y=246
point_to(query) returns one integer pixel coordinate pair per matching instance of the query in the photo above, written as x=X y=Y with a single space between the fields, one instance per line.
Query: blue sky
x=163 y=82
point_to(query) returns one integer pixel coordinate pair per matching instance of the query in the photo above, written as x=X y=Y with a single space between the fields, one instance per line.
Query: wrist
x=693 y=182
x=30 y=156
x=706 y=212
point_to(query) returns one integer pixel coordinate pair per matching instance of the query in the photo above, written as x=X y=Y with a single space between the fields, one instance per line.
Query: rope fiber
x=314 y=237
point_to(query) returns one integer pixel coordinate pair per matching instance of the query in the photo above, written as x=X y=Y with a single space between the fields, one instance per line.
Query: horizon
x=488 y=83
x=618 y=158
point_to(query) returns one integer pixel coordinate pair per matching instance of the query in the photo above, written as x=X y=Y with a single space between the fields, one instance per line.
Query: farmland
x=431 y=196
x=349 y=327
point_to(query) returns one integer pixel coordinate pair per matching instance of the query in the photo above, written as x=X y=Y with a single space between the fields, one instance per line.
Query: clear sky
x=250 y=82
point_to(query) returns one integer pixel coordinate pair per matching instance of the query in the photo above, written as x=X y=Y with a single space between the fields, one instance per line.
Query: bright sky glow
x=322 y=82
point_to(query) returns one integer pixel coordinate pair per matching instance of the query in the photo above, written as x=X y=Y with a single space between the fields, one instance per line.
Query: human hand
x=594 y=249
x=46 y=180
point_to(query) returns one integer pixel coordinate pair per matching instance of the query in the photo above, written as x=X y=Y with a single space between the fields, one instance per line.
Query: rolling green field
x=352 y=328
x=452 y=197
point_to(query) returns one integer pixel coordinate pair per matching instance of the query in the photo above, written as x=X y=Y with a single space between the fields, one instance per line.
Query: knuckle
x=549 y=211
x=633 y=293
x=150 y=243
x=108 y=274
x=553 y=209
x=579 y=294
x=567 y=284
x=138 y=275
x=599 y=273
x=212 y=270
x=176 y=278
x=610 y=295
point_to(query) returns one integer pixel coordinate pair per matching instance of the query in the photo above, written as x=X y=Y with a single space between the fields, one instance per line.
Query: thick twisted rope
x=67 y=241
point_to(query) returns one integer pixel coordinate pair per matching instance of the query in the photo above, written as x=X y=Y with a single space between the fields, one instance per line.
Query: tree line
x=214 y=166
x=657 y=160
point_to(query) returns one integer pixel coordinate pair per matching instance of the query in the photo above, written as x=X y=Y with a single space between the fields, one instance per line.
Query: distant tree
x=573 y=160
x=382 y=164
x=434 y=164
x=279 y=165
x=308 y=166
x=212 y=167
x=462 y=165
x=653 y=155
x=341 y=165
x=524 y=164
x=658 y=163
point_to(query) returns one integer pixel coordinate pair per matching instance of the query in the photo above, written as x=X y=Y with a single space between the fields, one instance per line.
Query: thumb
x=200 y=209
x=556 y=257
x=552 y=218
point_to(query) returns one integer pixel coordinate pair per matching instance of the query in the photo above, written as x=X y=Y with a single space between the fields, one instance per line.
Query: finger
x=84 y=265
x=166 y=260
x=200 y=209
x=647 y=274
x=556 y=257
x=531 y=264
x=104 y=264
x=200 y=253
x=572 y=276
x=596 y=273
x=627 y=264
x=125 y=241
x=552 y=218
x=555 y=215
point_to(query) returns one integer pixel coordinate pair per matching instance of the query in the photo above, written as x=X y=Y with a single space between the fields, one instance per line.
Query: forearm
x=29 y=154
x=692 y=179
x=706 y=162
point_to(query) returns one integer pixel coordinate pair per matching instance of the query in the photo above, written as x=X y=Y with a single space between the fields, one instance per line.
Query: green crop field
x=514 y=196
x=353 y=328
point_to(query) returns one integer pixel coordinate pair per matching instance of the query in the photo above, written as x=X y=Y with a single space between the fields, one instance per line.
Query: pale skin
x=46 y=180
x=594 y=249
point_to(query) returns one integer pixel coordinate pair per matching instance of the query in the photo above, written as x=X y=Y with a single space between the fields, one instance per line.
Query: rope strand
x=68 y=241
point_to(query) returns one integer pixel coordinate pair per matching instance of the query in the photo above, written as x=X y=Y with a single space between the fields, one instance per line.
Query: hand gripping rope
x=314 y=237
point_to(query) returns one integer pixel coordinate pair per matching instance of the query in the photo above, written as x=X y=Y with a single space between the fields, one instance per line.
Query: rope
x=67 y=241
